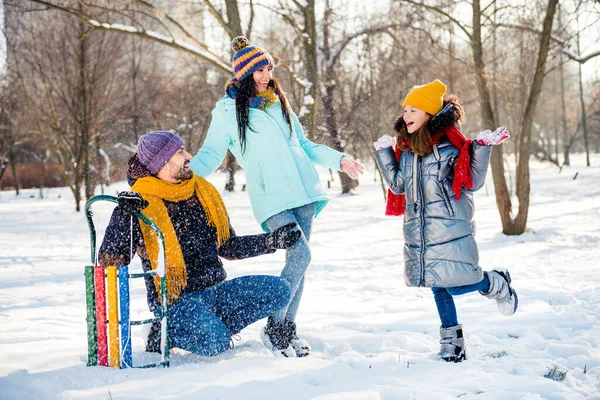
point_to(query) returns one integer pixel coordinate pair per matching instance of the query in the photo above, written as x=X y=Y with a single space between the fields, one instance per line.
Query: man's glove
x=383 y=142
x=488 y=138
x=283 y=237
x=131 y=203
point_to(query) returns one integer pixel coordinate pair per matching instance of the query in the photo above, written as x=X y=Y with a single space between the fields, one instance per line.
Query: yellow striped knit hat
x=247 y=58
x=428 y=97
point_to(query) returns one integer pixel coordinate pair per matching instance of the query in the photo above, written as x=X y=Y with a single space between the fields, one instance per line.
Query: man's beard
x=184 y=174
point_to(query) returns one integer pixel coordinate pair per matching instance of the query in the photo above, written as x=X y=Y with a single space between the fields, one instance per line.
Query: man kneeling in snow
x=205 y=310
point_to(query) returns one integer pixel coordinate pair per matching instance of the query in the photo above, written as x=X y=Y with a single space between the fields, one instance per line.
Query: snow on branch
x=580 y=59
x=199 y=50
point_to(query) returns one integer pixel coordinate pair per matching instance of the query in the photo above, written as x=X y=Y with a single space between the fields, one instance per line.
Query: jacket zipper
x=415 y=181
x=422 y=219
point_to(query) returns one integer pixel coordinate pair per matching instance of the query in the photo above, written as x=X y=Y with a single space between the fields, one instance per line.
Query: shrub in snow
x=556 y=373
x=498 y=354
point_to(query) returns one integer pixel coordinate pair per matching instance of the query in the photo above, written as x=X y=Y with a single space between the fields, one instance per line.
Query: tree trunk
x=565 y=134
x=234 y=24
x=336 y=143
x=503 y=201
x=42 y=178
x=231 y=167
x=583 y=116
x=233 y=18
x=77 y=191
x=328 y=102
x=523 y=178
x=3 y=163
x=13 y=168
x=84 y=114
x=135 y=68
x=556 y=133
x=309 y=45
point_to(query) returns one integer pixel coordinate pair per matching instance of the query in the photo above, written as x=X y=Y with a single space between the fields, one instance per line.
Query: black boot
x=277 y=336
x=300 y=346
x=452 y=343
x=153 y=342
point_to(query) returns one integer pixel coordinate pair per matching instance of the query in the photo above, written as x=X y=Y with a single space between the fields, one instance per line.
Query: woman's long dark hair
x=246 y=91
x=419 y=140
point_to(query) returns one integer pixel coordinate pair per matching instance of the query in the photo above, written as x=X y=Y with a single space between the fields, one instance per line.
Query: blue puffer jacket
x=439 y=248
x=278 y=165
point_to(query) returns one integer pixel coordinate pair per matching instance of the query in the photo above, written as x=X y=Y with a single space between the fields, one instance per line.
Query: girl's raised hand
x=489 y=138
x=383 y=142
x=352 y=168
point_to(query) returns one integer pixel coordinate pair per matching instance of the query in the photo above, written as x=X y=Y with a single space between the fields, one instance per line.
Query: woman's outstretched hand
x=489 y=138
x=352 y=168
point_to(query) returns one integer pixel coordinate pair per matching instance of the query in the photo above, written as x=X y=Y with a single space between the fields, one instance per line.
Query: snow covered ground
x=373 y=338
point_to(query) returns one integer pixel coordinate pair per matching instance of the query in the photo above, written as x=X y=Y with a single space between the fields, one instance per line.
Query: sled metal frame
x=125 y=323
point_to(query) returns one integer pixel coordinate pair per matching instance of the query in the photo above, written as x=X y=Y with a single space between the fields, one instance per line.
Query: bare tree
x=68 y=81
x=510 y=225
x=330 y=55
x=139 y=18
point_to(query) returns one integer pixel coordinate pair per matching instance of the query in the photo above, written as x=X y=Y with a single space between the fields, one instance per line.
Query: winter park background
x=76 y=93
x=373 y=338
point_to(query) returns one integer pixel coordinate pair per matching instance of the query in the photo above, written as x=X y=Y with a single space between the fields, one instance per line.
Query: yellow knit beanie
x=428 y=97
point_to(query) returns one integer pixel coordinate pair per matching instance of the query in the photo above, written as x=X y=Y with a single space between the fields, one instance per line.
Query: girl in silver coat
x=432 y=175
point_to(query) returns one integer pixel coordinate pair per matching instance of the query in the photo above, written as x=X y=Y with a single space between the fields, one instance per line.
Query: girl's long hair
x=418 y=142
x=245 y=93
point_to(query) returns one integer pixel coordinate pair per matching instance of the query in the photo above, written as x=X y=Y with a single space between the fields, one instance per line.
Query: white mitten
x=488 y=138
x=383 y=142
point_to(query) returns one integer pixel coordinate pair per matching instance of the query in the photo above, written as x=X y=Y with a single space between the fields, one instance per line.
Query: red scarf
x=463 y=176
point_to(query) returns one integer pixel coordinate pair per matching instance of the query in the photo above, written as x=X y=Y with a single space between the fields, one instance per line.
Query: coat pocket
x=447 y=199
x=262 y=179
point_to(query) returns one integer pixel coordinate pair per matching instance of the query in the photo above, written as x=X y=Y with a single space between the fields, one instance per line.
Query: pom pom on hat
x=239 y=43
x=247 y=58
x=428 y=97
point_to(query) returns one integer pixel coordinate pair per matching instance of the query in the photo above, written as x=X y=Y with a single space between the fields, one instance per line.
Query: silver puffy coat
x=439 y=247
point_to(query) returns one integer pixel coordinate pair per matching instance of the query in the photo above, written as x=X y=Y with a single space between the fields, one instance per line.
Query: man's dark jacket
x=197 y=239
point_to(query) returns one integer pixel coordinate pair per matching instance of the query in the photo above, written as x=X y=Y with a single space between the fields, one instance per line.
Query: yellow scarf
x=155 y=190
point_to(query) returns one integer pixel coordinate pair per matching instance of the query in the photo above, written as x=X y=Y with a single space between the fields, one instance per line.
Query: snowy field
x=373 y=338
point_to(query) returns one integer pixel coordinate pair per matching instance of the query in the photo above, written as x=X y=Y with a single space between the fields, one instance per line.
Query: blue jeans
x=297 y=257
x=445 y=302
x=204 y=321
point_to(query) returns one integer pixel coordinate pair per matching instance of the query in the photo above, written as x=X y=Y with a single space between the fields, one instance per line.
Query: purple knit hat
x=155 y=149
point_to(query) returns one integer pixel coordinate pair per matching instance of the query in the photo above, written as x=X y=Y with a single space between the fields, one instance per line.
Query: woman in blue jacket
x=254 y=121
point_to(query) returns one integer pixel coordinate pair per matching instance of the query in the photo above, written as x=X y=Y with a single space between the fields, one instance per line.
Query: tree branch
x=441 y=12
x=251 y=21
x=529 y=29
x=340 y=46
x=580 y=59
x=199 y=50
x=288 y=18
x=215 y=13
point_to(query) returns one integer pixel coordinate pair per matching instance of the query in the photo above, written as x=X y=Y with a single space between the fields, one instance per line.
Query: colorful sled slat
x=100 y=286
x=126 y=357
x=90 y=301
x=113 y=317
